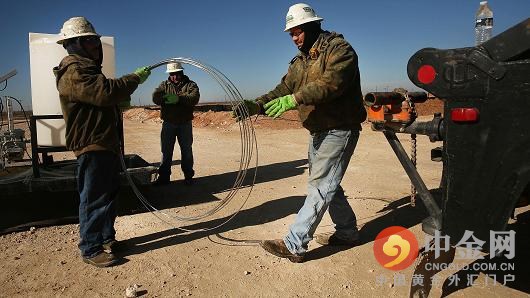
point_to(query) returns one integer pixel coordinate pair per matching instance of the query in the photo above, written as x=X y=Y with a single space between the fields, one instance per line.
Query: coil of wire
x=248 y=149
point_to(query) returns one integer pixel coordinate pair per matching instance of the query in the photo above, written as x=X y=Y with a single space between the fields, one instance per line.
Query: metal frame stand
x=434 y=211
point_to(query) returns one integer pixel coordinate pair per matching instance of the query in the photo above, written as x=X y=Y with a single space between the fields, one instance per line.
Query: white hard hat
x=299 y=14
x=174 y=67
x=75 y=27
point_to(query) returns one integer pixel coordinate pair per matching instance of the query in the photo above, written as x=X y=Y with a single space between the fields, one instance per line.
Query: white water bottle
x=483 y=23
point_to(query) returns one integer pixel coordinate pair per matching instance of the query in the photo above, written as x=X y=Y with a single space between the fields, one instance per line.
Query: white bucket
x=44 y=55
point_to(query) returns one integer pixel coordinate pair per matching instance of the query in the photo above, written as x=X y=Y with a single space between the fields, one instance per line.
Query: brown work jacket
x=89 y=104
x=326 y=85
x=182 y=111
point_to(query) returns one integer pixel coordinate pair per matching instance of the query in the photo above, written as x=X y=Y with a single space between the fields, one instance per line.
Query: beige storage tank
x=44 y=55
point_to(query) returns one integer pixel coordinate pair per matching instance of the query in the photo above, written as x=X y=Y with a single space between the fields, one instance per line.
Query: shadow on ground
x=44 y=208
x=205 y=188
x=395 y=213
x=266 y=212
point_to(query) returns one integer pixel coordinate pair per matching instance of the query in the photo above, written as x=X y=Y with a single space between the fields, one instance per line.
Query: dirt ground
x=164 y=261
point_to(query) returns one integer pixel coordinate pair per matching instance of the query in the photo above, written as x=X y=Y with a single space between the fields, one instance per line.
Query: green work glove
x=276 y=107
x=171 y=99
x=143 y=73
x=240 y=110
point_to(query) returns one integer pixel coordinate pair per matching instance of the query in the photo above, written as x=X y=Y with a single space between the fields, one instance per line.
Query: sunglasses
x=91 y=39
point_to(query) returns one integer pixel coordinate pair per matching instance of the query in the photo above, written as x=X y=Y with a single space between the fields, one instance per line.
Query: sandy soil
x=166 y=262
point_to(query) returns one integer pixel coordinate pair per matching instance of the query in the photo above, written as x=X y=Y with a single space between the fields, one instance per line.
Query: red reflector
x=426 y=74
x=464 y=114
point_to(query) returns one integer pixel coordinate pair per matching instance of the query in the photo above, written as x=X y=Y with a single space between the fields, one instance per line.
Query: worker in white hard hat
x=177 y=97
x=323 y=84
x=89 y=102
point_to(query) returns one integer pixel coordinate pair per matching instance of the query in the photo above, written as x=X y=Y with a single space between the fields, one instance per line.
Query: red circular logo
x=395 y=248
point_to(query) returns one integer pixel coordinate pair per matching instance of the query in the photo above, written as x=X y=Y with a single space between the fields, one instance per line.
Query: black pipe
x=34 y=152
x=433 y=129
x=386 y=98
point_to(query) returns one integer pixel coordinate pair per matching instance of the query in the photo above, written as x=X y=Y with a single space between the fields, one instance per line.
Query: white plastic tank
x=44 y=55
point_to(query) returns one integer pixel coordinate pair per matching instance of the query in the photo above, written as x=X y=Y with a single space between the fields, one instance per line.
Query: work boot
x=112 y=246
x=277 y=247
x=161 y=181
x=103 y=259
x=333 y=240
x=188 y=181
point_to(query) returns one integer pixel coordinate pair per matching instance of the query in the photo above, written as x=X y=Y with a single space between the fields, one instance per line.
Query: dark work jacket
x=326 y=85
x=181 y=112
x=89 y=103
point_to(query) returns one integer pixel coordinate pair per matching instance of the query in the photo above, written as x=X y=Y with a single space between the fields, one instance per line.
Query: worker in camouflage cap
x=323 y=84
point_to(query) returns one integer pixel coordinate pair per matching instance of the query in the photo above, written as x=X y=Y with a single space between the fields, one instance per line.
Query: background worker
x=89 y=104
x=177 y=96
x=323 y=83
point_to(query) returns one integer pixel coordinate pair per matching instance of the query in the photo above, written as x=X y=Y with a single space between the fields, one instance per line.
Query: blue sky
x=245 y=39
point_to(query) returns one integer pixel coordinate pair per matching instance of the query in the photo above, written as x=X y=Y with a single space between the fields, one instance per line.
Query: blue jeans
x=183 y=133
x=329 y=155
x=98 y=182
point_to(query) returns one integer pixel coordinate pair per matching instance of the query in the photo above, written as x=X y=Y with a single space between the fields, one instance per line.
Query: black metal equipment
x=394 y=112
x=485 y=133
